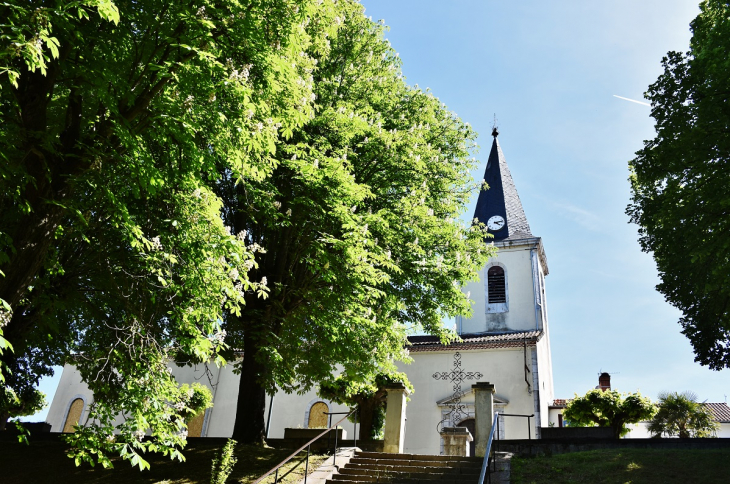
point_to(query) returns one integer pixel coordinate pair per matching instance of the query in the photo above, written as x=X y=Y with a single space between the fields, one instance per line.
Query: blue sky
x=550 y=71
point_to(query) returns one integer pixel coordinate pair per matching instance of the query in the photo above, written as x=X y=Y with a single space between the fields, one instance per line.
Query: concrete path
x=327 y=468
x=502 y=476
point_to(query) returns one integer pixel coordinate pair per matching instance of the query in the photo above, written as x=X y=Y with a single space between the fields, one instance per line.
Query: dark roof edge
x=530 y=337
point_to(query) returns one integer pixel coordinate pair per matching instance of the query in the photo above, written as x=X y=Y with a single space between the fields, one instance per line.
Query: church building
x=506 y=343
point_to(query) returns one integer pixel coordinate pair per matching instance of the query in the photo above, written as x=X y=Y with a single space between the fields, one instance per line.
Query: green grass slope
x=625 y=466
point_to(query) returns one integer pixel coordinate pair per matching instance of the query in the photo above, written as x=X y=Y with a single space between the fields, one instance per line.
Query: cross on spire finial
x=495 y=132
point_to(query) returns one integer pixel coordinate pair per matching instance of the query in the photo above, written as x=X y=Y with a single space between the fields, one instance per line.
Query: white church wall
x=70 y=387
x=291 y=410
x=520 y=315
x=225 y=396
x=502 y=367
x=547 y=392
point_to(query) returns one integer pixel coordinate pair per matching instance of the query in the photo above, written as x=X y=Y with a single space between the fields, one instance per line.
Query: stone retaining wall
x=563 y=446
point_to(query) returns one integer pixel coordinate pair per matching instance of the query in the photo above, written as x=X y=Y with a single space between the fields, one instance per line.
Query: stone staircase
x=376 y=467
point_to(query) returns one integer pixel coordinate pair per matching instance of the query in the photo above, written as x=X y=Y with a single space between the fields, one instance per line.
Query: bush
x=681 y=415
x=223 y=465
x=609 y=408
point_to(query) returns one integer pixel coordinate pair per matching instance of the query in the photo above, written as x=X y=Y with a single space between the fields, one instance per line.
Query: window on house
x=496 y=290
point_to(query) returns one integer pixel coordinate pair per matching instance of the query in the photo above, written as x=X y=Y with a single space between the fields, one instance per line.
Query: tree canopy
x=608 y=408
x=360 y=222
x=115 y=118
x=681 y=415
x=178 y=182
x=681 y=184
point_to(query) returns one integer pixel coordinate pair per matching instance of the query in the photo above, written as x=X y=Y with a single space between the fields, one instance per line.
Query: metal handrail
x=529 y=423
x=334 y=451
x=485 y=464
x=276 y=468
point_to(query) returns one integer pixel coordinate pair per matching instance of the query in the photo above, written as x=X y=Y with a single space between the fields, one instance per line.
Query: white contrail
x=632 y=100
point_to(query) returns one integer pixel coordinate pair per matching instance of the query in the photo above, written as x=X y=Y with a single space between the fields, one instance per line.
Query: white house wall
x=641 y=431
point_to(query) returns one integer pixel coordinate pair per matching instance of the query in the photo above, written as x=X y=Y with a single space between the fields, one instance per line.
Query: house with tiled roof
x=720 y=411
x=506 y=342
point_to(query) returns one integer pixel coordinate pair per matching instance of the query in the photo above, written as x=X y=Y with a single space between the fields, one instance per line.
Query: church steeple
x=499 y=207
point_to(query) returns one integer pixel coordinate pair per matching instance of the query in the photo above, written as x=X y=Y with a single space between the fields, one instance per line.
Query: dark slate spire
x=501 y=199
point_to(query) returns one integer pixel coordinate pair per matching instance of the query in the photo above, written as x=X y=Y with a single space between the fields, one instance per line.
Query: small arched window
x=318 y=416
x=495 y=287
x=496 y=290
x=195 y=425
x=74 y=415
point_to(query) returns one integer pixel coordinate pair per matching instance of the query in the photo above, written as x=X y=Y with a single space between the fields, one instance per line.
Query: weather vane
x=495 y=132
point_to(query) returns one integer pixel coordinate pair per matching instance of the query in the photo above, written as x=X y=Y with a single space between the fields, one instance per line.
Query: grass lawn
x=625 y=466
x=46 y=462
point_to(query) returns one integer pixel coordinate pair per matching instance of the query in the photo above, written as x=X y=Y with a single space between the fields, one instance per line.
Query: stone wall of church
x=502 y=367
x=520 y=314
x=70 y=388
x=289 y=410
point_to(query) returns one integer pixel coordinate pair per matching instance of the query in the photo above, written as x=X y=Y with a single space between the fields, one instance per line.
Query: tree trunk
x=4 y=416
x=250 y=427
x=366 y=411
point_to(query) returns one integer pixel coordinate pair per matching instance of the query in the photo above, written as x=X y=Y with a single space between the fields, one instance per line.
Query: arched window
x=317 y=416
x=74 y=415
x=496 y=290
x=195 y=425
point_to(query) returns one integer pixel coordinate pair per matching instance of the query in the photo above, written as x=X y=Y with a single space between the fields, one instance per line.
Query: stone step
x=413 y=463
x=414 y=468
x=408 y=470
x=338 y=479
x=379 y=476
x=382 y=468
x=417 y=457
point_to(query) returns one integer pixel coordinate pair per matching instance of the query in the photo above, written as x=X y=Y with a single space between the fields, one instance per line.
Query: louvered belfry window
x=495 y=285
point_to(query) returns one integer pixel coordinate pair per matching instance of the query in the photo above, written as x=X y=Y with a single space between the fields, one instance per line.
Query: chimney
x=604 y=381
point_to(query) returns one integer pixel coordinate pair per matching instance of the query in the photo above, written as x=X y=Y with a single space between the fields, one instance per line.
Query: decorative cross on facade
x=456 y=376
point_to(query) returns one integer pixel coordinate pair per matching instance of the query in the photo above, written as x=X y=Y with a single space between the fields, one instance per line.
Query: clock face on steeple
x=495 y=223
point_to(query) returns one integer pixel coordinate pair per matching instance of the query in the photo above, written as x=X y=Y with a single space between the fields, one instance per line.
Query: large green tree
x=608 y=408
x=114 y=117
x=681 y=184
x=360 y=222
